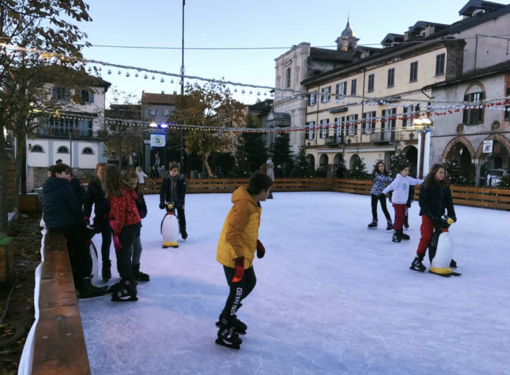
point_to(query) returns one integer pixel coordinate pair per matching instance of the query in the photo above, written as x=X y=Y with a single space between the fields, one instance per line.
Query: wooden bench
x=59 y=343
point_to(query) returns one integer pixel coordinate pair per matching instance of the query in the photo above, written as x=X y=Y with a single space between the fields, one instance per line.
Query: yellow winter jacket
x=240 y=231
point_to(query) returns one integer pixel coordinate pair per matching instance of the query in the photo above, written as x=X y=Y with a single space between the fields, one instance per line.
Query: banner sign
x=487 y=147
x=158 y=140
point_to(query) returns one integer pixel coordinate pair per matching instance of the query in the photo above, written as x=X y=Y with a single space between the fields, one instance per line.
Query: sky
x=229 y=23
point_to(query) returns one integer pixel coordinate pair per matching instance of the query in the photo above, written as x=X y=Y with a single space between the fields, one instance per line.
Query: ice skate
x=417 y=264
x=373 y=224
x=227 y=336
x=396 y=237
x=239 y=327
x=87 y=290
x=127 y=291
x=139 y=275
x=406 y=222
x=390 y=226
x=184 y=234
x=404 y=236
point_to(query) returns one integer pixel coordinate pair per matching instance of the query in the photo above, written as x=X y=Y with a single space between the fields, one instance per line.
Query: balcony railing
x=385 y=136
x=65 y=132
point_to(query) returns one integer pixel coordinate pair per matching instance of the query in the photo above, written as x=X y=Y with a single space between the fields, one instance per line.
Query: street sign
x=146 y=142
x=487 y=147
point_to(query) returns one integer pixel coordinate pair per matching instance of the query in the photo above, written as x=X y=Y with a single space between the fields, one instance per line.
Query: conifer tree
x=302 y=167
x=280 y=151
x=254 y=146
x=241 y=168
x=358 y=170
x=397 y=160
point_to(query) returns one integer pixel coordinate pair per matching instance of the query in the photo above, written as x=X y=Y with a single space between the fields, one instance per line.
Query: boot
x=373 y=224
x=106 y=272
x=127 y=291
x=404 y=236
x=417 y=264
x=87 y=290
x=396 y=236
x=406 y=222
x=227 y=336
x=390 y=226
x=139 y=275
x=453 y=264
x=239 y=327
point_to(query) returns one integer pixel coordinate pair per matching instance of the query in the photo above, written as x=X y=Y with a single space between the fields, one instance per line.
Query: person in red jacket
x=125 y=222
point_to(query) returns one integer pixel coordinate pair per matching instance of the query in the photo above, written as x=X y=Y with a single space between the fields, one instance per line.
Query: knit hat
x=269 y=161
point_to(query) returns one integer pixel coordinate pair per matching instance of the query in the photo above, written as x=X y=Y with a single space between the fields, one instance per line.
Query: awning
x=339 y=110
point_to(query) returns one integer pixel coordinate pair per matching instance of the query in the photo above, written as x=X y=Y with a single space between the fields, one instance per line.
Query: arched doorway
x=311 y=161
x=354 y=159
x=412 y=158
x=499 y=159
x=324 y=162
x=460 y=169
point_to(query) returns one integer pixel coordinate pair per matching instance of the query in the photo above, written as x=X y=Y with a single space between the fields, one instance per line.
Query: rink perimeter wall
x=493 y=198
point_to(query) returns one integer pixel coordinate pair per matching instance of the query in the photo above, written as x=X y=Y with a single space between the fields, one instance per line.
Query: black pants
x=124 y=255
x=382 y=199
x=181 y=217
x=106 y=234
x=239 y=290
x=79 y=251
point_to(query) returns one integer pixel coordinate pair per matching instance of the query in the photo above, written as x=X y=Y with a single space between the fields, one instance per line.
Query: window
x=507 y=107
x=153 y=112
x=312 y=99
x=87 y=151
x=413 y=77
x=354 y=83
x=87 y=96
x=409 y=112
x=60 y=93
x=391 y=77
x=367 y=124
x=371 y=82
x=324 y=128
x=288 y=78
x=63 y=127
x=63 y=150
x=310 y=134
x=440 y=62
x=325 y=92
x=339 y=129
x=36 y=148
x=341 y=89
x=352 y=125
x=473 y=116
x=166 y=112
x=390 y=120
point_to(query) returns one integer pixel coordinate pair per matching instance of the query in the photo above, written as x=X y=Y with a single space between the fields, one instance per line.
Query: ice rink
x=332 y=297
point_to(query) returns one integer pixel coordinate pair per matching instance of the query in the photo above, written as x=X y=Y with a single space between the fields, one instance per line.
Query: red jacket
x=123 y=210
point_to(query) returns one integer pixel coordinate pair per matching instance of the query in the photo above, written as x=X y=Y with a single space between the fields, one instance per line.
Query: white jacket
x=400 y=188
x=141 y=177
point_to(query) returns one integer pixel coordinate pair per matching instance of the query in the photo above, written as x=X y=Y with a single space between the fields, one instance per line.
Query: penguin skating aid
x=170 y=227
x=441 y=251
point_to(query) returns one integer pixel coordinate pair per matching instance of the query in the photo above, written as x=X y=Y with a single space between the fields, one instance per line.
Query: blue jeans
x=136 y=250
x=106 y=233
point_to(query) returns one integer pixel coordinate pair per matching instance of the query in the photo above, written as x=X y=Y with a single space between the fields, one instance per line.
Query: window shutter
x=337 y=88
x=345 y=88
x=508 y=91
x=55 y=93
x=91 y=97
x=67 y=94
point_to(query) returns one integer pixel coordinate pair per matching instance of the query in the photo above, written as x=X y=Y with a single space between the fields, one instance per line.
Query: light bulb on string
x=109 y=71
x=119 y=72
x=136 y=75
x=162 y=80
x=145 y=76
x=153 y=78
x=128 y=75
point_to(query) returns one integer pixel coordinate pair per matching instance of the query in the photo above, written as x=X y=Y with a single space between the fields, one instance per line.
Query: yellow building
x=364 y=109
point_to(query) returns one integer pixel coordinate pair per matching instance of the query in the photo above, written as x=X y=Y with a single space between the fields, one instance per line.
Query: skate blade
x=412 y=269
x=238 y=332
x=372 y=228
x=233 y=346
x=130 y=299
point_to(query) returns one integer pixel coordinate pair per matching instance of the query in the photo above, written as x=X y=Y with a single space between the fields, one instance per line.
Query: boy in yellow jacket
x=236 y=251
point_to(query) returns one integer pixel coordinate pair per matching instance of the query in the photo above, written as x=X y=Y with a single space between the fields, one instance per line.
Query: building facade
x=158 y=107
x=76 y=135
x=484 y=82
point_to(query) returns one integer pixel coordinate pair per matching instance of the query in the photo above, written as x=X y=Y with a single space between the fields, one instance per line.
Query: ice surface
x=332 y=297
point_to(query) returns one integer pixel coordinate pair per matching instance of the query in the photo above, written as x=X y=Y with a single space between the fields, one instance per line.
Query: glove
x=116 y=243
x=87 y=220
x=162 y=205
x=239 y=270
x=180 y=203
x=436 y=220
x=454 y=218
x=261 y=250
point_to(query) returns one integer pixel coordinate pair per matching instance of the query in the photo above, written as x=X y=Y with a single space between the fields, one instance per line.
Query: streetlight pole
x=182 y=85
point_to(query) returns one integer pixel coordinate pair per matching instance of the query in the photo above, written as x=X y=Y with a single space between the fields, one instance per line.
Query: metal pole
x=71 y=148
x=182 y=85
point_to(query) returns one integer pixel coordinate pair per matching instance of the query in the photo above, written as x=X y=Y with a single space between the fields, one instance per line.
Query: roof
x=503 y=67
x=454 y=28
x=420 y=25
x=348 y=32
x=473 y=5
x=261 y=105
x=330 y=55
x=164 y=99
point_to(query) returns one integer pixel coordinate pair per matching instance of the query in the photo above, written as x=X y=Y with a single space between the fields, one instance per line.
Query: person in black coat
x=96 y=196
x=435 y=201
x=79 y=190
x=62 y=214
x=173 y=189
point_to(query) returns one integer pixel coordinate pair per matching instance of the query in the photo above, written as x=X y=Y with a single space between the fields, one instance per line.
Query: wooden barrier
x=493 y=198
x=59 y=343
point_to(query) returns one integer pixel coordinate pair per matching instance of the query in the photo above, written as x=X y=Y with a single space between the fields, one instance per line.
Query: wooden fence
x=59 y=343
x=493 y=198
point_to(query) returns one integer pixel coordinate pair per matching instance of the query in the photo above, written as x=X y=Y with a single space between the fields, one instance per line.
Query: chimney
x=406 y=36
x=175 y=92
x=430 y=30
x=162 y=92
x=454 y=59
